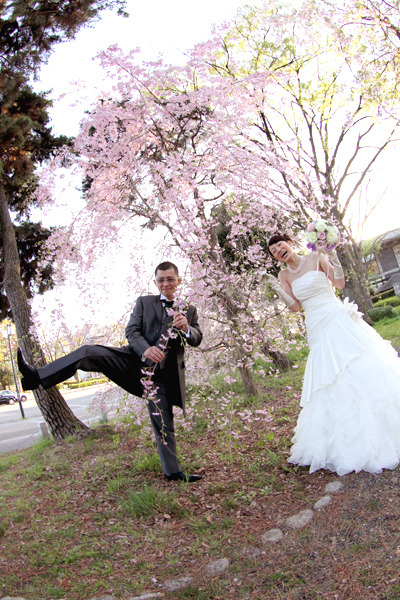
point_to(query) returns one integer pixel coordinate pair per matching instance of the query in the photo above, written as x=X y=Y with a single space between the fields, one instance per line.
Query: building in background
x=383 y=262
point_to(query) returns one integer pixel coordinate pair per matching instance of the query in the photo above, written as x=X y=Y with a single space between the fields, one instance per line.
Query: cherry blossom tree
x=378 y=21
x=283 y=113
x=170 y=150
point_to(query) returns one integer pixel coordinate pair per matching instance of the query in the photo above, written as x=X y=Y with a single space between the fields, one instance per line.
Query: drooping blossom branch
x=186 y=159
x=149 y=385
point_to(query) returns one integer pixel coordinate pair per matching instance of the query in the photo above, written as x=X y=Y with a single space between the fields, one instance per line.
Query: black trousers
x=123 y=367
x=162 y=421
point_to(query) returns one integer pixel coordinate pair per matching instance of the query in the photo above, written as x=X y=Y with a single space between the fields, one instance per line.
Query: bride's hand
x=274 y=283
x=322 y=250
x=332 y=253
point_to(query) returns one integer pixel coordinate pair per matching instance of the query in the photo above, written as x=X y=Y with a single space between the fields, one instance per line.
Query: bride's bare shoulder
x=282 y=276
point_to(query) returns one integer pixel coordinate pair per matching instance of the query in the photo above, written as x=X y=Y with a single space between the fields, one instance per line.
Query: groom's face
x=167 y=281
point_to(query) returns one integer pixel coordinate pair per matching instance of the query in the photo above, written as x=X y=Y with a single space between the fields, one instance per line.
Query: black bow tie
x=167 y=303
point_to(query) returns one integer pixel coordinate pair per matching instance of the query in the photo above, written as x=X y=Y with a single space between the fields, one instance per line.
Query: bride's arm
x=294 y=305
x=333 y=269
x=284 y=291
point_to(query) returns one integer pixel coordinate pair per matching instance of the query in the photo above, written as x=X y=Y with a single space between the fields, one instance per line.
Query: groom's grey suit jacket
x=146 y=325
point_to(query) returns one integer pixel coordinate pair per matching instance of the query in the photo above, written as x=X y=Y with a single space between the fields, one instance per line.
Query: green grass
x=96 y=513
x=149 y=501
x=8 y=461
x=94 y=516
x=390 y=328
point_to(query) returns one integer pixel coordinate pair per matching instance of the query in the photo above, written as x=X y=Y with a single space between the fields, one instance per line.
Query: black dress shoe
x=181 y=476
x=30 y=377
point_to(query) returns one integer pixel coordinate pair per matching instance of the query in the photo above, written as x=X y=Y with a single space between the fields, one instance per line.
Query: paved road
x=17 y=433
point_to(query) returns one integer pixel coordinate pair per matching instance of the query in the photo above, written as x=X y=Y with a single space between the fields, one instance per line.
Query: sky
x=158 y=28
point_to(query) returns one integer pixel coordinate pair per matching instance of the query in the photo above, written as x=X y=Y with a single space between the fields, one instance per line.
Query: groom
x=124 y=366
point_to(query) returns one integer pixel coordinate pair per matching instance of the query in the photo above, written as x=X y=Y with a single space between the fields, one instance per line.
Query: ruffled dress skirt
x=350 y=416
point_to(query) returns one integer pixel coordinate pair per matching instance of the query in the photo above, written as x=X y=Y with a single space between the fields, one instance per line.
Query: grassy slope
x=390 y=328
x=94 y=515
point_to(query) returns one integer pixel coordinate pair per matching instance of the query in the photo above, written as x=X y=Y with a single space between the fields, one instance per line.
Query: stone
x=333 y=486
x=217 y=567
x=43 y=430
x=104 y=597
x=322 y=502
x=172 y=585
x=251 y=552
x=273 y=535
x=302 y=519
x=147 y=596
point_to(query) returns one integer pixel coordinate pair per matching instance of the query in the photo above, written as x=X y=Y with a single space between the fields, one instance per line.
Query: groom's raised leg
x=30 y=377
x=118 y=364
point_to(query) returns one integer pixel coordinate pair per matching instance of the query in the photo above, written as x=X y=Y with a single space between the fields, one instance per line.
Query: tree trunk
x=279 y=359
x=357 y=287
x=235 y=318
x=243 y=357
x=246 y=373
x=57 y=414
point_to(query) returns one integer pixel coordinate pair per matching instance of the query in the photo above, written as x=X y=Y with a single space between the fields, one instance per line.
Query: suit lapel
x=159 y=309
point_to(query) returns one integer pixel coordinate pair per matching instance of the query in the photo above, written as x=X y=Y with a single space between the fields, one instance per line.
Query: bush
x=383 y=296
x=382 y=312
x=86 y=383
x=394 y=301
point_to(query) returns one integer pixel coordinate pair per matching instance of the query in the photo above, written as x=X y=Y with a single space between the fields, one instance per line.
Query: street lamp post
x=16 y=379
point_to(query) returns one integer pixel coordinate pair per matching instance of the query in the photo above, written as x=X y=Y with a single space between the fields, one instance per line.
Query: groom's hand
x=153 y=353
x=180 y=322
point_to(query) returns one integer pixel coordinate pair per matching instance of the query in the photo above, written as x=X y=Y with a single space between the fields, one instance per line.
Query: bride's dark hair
x=278 y=237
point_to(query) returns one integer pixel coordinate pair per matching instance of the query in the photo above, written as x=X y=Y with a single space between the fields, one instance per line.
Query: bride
x=350 y=415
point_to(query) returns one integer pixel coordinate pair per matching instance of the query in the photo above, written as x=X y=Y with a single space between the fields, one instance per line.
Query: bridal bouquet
x=321 y=235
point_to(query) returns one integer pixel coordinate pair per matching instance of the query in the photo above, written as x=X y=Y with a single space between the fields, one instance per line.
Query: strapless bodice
x=315 y=293
x=313 y=286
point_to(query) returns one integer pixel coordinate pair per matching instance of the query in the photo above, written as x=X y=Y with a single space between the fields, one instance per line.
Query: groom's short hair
x=164 y=266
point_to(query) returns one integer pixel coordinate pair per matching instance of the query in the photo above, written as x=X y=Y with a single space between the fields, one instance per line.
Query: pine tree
x=28 y=33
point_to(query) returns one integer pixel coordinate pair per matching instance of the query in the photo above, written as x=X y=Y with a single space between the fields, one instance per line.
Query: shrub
x=381 y=312
x=394 y=301
x=383 y=295
x=86 y=383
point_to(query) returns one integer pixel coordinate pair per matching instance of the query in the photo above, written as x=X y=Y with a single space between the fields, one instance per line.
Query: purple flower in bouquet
x=321 y=235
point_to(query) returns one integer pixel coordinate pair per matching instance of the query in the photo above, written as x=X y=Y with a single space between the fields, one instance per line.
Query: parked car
x=9 y=397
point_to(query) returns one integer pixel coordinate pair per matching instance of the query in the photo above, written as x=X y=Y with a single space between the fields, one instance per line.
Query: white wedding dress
x=350 y=416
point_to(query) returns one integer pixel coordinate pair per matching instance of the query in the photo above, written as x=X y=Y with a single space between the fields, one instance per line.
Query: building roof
x=389 y=283
x=389 y=236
